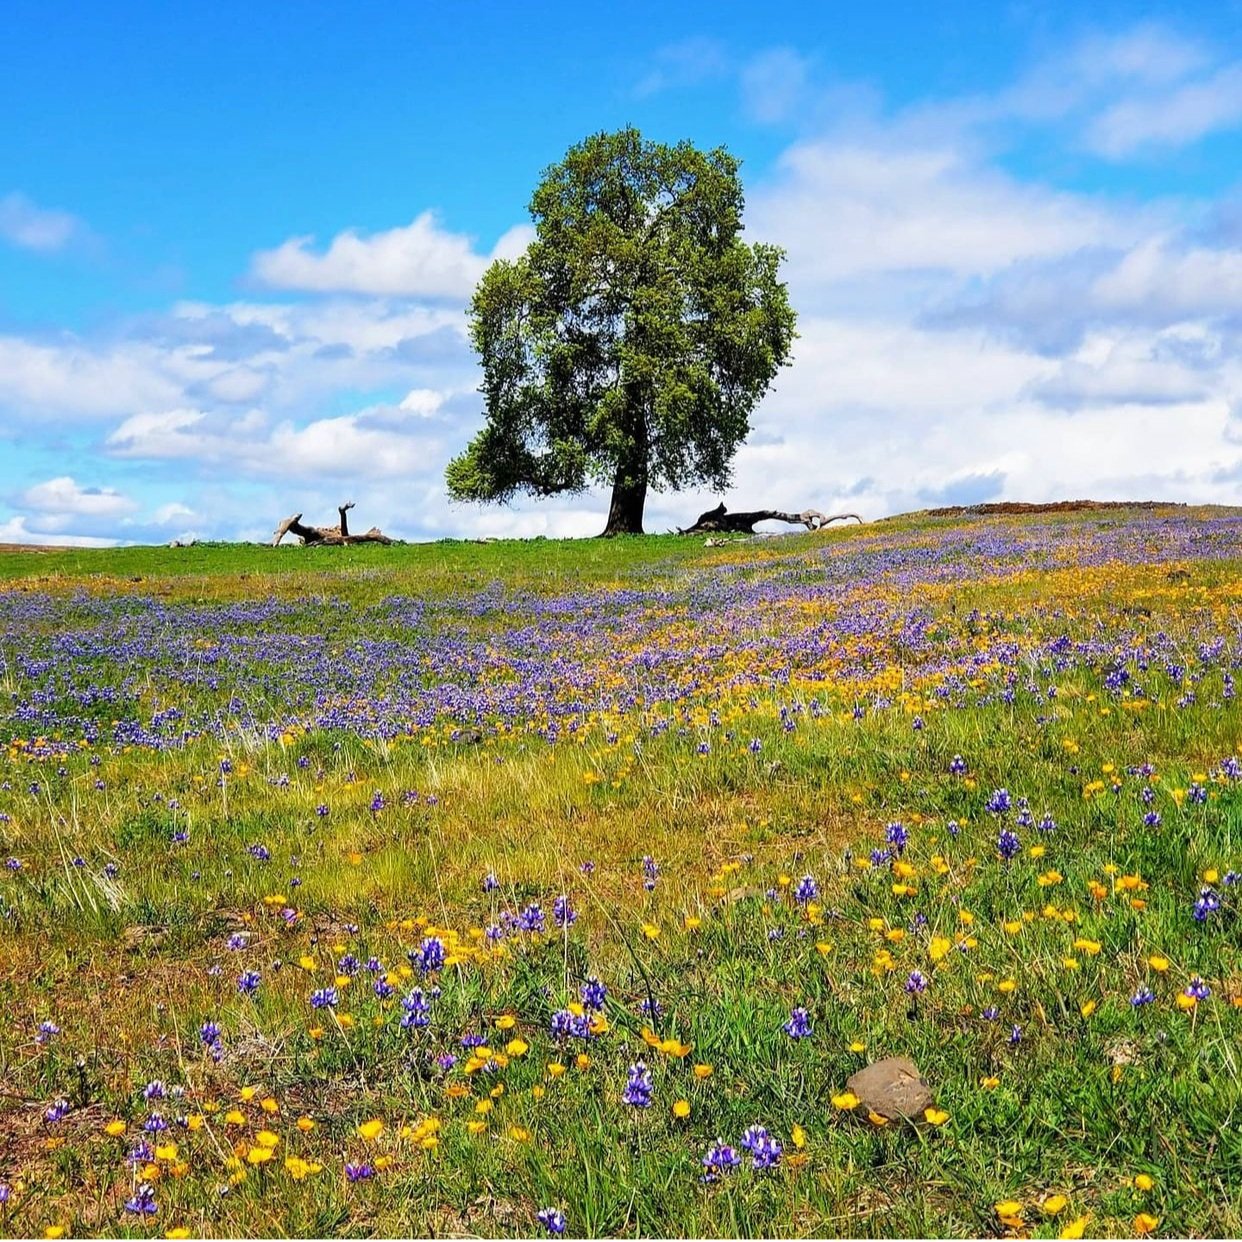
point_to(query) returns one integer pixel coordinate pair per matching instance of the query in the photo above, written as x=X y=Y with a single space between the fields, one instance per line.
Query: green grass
x=1095 y=1092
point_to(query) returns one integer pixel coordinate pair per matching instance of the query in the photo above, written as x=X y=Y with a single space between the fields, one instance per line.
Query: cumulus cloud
x=419 y=260
x=64 y=497
x=17 y=530
x=25 y=224
x=369 y=444
x=852 y=212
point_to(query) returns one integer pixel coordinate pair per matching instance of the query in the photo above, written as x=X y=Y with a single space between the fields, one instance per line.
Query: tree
x=630 y=343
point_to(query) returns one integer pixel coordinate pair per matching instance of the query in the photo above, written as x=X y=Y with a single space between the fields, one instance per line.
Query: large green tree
x=630 y=343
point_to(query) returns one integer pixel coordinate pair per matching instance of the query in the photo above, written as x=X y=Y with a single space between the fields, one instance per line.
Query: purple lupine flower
x=562 y=912
x=651 y=872
x=765 y=1149
x=806 y=890
x=143 y=1201
x=1196 y=989
x=799 y=1024
x=999 y=802
x=593 y=993
x=916 y=983
x=1007 y=844
x=1144 y=996
x=552 y=1219
x=897 y=834
x=566 y=1024
x=429 y=956
x=248 y=982
x=1208 y=903
x=718 y=1159
x=638 y=1086
x=531 y=919
x=324 y=998
x=417 y=1012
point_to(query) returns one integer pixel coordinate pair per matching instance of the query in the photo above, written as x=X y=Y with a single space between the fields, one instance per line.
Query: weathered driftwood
x=327 y=536
x=720 y=519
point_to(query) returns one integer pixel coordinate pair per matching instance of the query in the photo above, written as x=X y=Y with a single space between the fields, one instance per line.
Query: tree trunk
x=625 y=513
x=629 y=486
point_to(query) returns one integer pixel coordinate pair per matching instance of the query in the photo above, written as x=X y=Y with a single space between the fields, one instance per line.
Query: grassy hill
x=418 y=890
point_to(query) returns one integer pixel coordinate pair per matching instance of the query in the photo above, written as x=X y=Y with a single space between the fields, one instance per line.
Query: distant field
x=441 y=889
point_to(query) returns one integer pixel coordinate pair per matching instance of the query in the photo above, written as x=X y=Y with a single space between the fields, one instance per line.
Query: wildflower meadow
x=562 y=887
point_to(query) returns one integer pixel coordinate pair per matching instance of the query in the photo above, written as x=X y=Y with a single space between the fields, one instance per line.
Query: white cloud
x=1169 y=118
x=364 y=445
x=63 y=496
x=16 y=530
x=1175 y=280
x=174 y=513
x=847 y=211
x=23 y=223
x=418 y=260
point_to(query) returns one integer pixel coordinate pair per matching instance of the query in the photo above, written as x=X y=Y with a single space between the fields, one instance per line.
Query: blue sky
x=236 y=242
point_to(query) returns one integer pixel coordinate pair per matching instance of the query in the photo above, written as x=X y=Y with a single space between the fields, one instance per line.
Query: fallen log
x=327 y=536
x=720 y=520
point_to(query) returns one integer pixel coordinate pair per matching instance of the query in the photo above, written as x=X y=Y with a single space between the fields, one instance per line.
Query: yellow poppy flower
x=681 y=1109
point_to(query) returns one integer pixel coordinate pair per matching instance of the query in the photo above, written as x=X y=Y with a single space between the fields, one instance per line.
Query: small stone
x=894 y=1088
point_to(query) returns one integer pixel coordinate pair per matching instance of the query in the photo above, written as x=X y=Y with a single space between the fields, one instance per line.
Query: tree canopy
x=631 y=342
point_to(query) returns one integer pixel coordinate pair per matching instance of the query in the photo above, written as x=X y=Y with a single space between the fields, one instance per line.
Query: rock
x=894 y=1088
x=744 y=892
